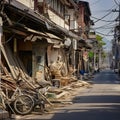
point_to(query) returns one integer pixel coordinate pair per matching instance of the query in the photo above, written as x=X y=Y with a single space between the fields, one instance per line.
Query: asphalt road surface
x=100 y=102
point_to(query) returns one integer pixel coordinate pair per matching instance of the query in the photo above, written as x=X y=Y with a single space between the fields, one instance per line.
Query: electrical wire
x=103 y=17
x=103 y=34
x=97 y=1
x=105 y=26
x=101 y=11
x=116 y=2
x=110 y=25
x=99 y=19
x=103 y=20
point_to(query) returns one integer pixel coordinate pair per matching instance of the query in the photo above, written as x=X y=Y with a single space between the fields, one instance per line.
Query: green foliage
x=100 y=41
x=91 y=54
x=99 y=38
x=104 y=54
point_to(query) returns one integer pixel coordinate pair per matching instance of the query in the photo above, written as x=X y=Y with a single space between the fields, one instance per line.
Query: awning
x=33 y=38
x=88 y=46
x=85 y=44
x=56 y=46
x=52 y=41
x=40 y=35
x=50 y=37
x=54 y=37
x=38 y=18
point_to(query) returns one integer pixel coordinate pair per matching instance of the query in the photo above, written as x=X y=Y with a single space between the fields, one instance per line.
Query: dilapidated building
x=37 y=34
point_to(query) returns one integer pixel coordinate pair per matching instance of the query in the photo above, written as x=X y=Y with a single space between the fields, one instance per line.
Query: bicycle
x=21 y=102
x=26 y=103
x=38 y=95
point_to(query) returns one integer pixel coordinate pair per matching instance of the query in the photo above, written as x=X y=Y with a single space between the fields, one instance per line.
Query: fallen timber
x=16 y=67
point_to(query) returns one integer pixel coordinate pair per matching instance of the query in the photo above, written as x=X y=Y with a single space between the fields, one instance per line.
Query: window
x=57 y=6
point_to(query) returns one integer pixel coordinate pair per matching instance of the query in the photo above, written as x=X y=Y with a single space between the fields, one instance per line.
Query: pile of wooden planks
x=15 y=65
x=6 y=79
x=13 y=62
x=17 y=71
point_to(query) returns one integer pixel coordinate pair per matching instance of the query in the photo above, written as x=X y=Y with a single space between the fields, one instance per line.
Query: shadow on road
x=97 y=99
x=98 y=103
x=95 y=104
x=101 y=113
x=91 y=108
x=106 y=77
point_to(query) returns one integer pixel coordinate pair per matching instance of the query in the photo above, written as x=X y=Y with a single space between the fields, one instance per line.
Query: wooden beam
x=7 y=60
x=19 y=32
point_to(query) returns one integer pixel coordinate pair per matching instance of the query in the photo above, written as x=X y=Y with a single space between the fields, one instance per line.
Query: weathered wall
x=58 y=20
x=28 y=3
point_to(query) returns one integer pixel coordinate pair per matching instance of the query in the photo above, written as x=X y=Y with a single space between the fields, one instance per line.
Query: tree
x=101 y=43
x=101 y=54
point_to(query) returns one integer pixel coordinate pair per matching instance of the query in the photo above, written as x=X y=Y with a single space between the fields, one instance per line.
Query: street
x=99 y=102
x=59 y=59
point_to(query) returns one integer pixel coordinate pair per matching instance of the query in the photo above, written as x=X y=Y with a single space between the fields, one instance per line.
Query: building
x=40 y=32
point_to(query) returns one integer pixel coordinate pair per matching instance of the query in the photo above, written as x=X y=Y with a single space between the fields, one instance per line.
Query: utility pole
x=117 y=36
x=118 y=17
x=119 y=21
x=1 y=23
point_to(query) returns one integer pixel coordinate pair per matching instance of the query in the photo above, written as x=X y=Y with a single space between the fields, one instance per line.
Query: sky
x=104 y=18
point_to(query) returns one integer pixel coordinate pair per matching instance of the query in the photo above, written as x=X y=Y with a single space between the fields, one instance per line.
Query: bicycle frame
x=7 y=100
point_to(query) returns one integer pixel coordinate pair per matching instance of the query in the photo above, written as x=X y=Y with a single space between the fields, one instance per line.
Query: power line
x=118 y=15
x=103 y=34
x=116 y=2
x=95 y=2
x=105 y=26
x=103 y=20
x=102 y=11
x=103 y=17
x=110 y=25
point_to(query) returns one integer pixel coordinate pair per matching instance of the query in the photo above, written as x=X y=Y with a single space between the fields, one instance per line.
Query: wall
x=81 y=17
x=38 y=59
x=73 y=20
x=58 y=20
x=28 y=3
x=24 y=46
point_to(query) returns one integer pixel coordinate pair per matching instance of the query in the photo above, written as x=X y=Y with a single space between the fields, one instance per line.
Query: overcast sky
x=102 y=9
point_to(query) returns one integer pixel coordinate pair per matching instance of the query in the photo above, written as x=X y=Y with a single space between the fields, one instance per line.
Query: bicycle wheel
x=23 y=104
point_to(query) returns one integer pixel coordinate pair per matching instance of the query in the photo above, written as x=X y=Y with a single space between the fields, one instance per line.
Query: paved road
x=100 y=102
